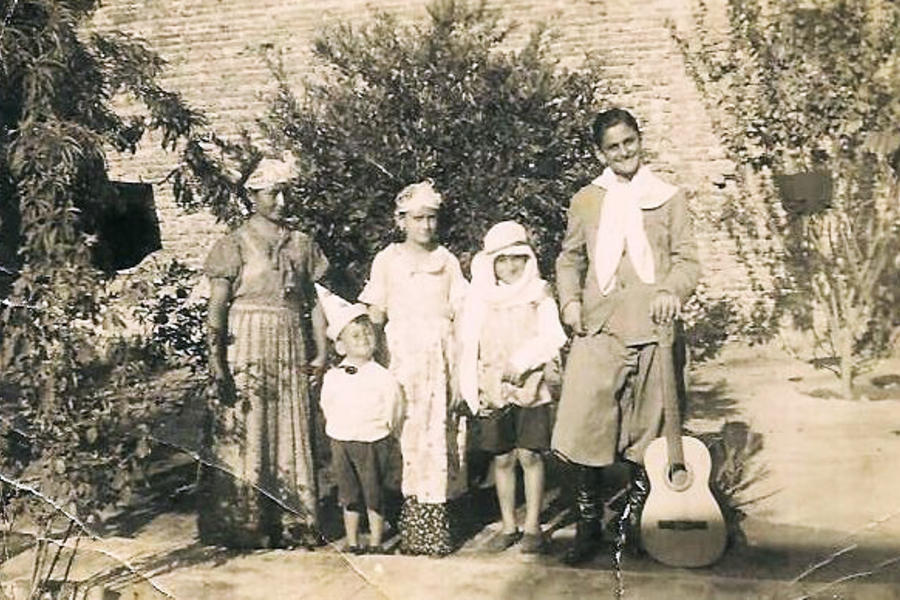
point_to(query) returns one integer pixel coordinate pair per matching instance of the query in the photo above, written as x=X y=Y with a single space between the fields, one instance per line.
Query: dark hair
x=610 y=118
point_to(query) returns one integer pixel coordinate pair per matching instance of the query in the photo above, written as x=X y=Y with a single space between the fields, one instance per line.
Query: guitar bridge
x=681 y=525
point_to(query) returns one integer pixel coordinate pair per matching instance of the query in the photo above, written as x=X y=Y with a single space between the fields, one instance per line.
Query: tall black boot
x=638 y=491
x=589 y=527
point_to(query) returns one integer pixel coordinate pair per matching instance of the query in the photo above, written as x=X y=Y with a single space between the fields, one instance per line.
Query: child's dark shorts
x=360 y=469
x=515 y=427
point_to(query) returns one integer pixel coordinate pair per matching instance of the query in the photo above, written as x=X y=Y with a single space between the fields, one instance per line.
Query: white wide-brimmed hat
x=507 y=237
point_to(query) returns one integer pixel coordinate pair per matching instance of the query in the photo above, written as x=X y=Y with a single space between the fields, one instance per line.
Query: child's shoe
x=501 y=541
x=353 y=549
x=533 y=543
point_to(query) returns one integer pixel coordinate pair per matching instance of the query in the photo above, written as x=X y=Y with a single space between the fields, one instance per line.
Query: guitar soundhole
x=679 y=525
x=679 y=477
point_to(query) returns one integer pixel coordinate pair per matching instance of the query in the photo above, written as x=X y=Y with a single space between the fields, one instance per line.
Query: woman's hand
x=459 y=406
x=226 y=391
x=316 y=367
x=665 y=307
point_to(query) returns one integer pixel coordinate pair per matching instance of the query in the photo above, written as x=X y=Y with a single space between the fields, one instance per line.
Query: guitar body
x=681 y=527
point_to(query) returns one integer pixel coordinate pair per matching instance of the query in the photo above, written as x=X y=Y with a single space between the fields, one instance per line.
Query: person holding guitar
x=628 y=262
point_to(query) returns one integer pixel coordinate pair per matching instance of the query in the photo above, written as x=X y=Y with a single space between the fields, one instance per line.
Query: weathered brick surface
x=214 y=53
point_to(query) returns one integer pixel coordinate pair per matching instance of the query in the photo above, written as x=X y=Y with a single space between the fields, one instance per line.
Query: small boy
x=362 y=403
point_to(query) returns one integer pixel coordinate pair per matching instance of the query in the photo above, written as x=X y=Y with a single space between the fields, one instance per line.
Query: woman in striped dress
x=260 y=490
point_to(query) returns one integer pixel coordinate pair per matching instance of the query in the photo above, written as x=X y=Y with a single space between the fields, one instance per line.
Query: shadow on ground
x=710 y=401
x=806 y=560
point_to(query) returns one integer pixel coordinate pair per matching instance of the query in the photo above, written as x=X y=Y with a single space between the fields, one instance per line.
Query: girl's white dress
x=421 y=296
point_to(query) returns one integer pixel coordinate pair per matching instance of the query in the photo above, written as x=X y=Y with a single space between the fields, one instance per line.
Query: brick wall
x=213 y=49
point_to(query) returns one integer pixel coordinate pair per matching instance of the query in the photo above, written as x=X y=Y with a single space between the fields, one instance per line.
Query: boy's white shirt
x=485 y=291
x=363 y=407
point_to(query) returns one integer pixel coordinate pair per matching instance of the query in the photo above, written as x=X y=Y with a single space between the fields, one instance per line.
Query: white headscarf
x=507 y=238
x=621 y=225
x=417 y=196
x=272 y=171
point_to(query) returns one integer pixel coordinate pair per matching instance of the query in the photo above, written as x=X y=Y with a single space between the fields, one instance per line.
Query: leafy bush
x=175 y=321
x=803 y=90
x=736 y=471
x=708 y=324
x=74 y=425
x=504 y=134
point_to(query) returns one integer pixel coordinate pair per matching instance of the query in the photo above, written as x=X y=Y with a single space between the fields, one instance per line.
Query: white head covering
x=506 y=238
x=416 y=196
x=338 y=312
x=621 y=225
x=272 y=171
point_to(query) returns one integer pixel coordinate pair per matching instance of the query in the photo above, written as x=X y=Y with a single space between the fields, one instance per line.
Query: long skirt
x=433 y=440
x=261 y=482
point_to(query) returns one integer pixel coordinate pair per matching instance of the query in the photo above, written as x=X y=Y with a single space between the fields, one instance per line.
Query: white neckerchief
x=621 y=225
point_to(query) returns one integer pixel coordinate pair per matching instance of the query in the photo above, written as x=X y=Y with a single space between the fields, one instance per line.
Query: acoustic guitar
x=681 y=523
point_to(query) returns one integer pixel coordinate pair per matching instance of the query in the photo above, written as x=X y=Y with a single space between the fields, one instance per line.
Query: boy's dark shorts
x=360 y=469
x=515 y=427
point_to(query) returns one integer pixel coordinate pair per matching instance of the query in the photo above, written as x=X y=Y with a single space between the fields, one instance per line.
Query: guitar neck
x=672 y=421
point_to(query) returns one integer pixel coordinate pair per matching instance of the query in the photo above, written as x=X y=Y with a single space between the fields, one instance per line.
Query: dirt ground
x=826 y=525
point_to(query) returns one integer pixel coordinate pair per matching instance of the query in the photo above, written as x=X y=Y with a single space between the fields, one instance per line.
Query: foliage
x=736 y=471
x=176 y=322
x=711 y=320
x=708 y=324
x=803 y=90
x=75 y=425
x=503 y=134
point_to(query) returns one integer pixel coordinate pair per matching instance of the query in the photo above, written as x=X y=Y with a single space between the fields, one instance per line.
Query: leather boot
x=637 y=495
x=589 y=527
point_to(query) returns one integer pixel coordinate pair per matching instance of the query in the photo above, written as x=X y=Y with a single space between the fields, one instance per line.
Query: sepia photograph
x=449 y=299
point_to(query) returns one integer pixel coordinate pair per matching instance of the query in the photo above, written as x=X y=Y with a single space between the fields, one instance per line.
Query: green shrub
x=802 y=90
x=504 y=134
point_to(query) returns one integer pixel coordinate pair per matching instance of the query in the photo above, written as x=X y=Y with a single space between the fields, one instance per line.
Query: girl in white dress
x=415 y=289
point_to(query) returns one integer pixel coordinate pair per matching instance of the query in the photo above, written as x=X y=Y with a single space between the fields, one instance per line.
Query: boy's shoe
x=353 y=549
x=379 y=549
x=501 y=541
x=587 y=544
x=301 y=536
x=533 y=543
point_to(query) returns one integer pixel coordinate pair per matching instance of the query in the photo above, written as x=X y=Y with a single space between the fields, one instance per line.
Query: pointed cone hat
x=338 y=312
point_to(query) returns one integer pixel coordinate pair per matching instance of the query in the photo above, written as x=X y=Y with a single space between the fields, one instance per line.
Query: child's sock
x=351 y=527
x=376 y=528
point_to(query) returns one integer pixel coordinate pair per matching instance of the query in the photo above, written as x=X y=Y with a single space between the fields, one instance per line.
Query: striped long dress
x=262 y=481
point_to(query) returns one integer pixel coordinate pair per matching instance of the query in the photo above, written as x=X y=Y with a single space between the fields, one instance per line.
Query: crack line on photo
x=196 y=456
x=83 y=526
x=844 y=550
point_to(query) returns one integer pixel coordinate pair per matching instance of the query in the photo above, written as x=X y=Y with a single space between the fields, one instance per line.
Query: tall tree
x=798 y=95
x=70 y=446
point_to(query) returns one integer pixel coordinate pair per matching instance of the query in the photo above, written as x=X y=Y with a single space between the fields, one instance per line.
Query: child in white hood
x=510 y=340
